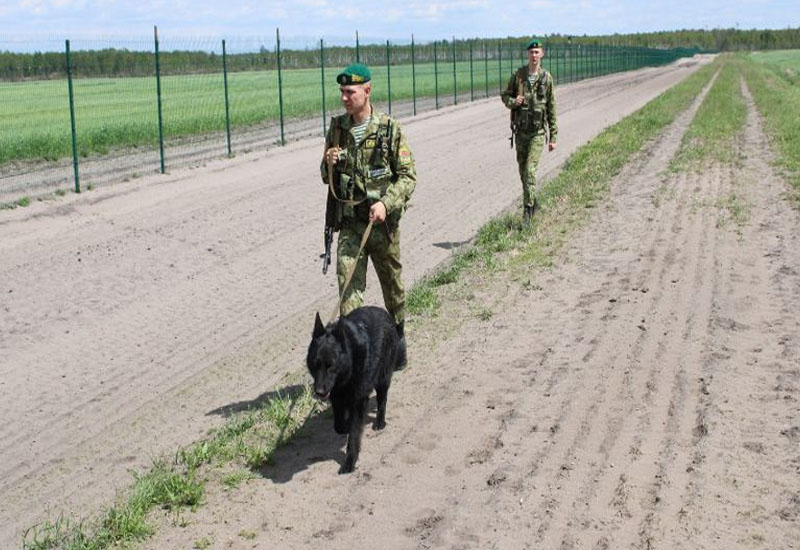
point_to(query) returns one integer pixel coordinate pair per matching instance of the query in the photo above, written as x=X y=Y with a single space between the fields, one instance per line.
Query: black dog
x=348 y=359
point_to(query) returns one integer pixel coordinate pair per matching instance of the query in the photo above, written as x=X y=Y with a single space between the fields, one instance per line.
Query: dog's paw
x=378 y=425
x=347 y=467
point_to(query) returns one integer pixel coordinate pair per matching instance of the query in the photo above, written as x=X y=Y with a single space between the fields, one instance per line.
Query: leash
x=352 y=270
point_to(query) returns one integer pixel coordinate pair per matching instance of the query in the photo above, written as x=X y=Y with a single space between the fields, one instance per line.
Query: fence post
x=322 y=78
x=471 y=76
x=455 y=83
x=500 y=65
x=573 y=61
x=546 y=59
x=486 y=66
x=158 y=98
x=280 y=80
x=389 y=76
x=227 y=104
x=72 y=122
x=413 y=76
x=436 y=74
x=358 y=51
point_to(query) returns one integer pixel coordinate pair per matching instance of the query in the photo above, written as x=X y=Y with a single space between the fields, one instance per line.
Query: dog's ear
x=340 y=329
x=319 y=328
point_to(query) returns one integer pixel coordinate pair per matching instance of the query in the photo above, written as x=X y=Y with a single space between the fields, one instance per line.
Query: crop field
x=123 y=112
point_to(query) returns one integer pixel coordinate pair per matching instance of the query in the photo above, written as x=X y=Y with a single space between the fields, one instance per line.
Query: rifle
x=326 y=256
x=333 y=212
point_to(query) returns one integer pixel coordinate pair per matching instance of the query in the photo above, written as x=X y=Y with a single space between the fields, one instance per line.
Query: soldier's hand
x=552 y=146
x=377 y=213
x=332 y=155
x=519 y=100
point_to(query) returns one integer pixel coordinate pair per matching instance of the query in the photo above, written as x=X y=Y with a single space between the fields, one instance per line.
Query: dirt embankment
x=135 y=317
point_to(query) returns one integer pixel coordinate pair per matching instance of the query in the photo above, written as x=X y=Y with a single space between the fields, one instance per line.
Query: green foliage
x=718 y=40
x=234 y=479
x=422 y=299
x=22 y=201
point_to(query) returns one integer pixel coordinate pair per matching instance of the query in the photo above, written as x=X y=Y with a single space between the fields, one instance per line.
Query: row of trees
x=710 y=40
x=113 y=62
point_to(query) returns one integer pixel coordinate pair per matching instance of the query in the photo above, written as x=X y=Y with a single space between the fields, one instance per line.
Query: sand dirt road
x=635 y=398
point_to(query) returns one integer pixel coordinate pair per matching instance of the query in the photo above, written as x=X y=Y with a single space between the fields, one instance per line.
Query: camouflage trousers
x=529 y=150
x=385 y=255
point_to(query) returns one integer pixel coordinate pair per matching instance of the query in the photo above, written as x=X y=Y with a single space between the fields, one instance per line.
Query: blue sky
x=304 y=21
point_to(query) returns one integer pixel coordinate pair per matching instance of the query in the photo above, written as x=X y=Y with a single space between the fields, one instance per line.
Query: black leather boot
x=402 y=360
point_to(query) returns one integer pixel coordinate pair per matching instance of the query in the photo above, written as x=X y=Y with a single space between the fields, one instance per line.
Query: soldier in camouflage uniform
x=374 y=177
x=531 y=98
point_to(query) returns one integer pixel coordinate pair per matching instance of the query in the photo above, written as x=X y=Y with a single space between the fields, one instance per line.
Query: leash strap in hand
x=364 y=238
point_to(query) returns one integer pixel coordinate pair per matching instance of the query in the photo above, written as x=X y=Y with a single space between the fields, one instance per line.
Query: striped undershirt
x=359 y=130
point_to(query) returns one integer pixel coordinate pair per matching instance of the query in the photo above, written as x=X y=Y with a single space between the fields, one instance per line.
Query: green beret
x=354 y=74
x=535 y=43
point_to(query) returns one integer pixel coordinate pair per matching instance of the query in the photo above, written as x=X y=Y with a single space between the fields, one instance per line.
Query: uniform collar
x=374 y=118
x=538 y=70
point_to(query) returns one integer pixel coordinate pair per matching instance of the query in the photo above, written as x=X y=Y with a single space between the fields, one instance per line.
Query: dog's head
x=327 y=359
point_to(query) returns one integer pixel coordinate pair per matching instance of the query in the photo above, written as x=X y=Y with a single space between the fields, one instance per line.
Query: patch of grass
x=718 y=123
x=776 y=98
x=234 y=479
x=22 y=201
x=664 y=193
x=249 y=438
x=485 y=314
x=737 y=209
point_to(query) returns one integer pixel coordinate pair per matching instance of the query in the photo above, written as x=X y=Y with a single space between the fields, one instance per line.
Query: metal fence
x=81 y=113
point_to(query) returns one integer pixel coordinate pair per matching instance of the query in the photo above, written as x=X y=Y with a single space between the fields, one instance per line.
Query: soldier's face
x=535 y=54
x=355 y=97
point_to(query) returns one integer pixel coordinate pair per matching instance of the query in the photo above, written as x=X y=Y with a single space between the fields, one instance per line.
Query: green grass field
x=774 y=82
x=122 y=112
x=785 y=59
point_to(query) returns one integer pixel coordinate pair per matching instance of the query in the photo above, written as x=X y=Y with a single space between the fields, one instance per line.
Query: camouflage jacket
x=380 y=168
x=539 y=109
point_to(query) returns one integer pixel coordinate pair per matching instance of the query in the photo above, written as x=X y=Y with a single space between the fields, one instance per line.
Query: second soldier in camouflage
x=530 y=96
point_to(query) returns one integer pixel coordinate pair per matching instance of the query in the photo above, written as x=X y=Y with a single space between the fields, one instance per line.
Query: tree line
x=114 y=62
